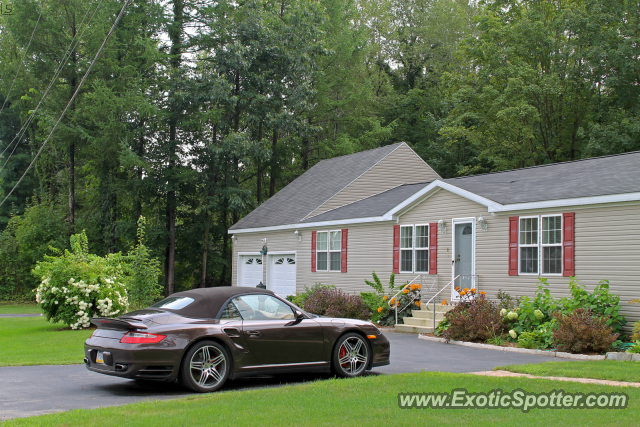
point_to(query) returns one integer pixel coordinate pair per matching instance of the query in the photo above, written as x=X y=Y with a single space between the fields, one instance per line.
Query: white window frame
x=329 y=251
x=539 y=245
x=416 y=248
x=407 y=249
x=413 y=248
x=531 y=245
x=547 y=245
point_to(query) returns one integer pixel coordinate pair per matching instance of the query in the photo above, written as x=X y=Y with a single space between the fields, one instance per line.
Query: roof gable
x=311 y=189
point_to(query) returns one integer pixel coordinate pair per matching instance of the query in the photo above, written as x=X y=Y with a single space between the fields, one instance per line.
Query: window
x=422 y=249
x=328 y=250
x=173 y=303
x=529 y=245
x=263 y=307
x=541 y=237
x=552 y=244
x=414 y=249
x=230 y=312
x=406 y=249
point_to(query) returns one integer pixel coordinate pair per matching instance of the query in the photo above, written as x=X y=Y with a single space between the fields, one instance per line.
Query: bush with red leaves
x=583 y=332
x=477 y=319
x=335 y=303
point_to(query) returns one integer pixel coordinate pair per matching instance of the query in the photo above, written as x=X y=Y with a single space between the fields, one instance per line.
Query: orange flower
x=393 y=301
x=379 y=309
x=418 y=303
x=444 y=302
x=463 y=293
x=385 y=297
x=406 y=291
x=466 y=290
x=458 y=288
x=419 y=286
x=483 y=293
x=472 y=290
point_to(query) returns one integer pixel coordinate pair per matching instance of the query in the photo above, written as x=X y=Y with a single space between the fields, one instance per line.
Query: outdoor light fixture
x=298 y=235
x=482 y=223
x=234 y=239
x=442 y=227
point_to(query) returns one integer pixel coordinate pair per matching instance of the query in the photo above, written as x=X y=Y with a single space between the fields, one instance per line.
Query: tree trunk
x=259 y=172
x=306 y=149
x=274 y=166
x=205 y=251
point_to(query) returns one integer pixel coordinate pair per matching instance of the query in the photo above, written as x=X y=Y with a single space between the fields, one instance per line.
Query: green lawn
x=11 y=308
x=598 y=369
x=34 y=341
x=369 y=401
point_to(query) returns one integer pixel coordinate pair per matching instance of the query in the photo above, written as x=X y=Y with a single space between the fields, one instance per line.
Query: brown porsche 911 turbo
x=204 y=337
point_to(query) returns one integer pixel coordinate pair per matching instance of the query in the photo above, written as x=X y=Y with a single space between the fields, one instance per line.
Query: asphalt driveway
x=33 y=390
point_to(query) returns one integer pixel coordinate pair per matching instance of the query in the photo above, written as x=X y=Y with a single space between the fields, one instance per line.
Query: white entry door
x=463 y=257
x=251 y=274
x=283 y=275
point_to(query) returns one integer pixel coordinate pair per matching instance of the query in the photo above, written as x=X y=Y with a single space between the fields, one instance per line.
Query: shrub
x=407 y=300
x=582 y=332
x=541 y=337
x=635 y=348
x=300 y=298
x=506 y=301
x=325 y=301
x=474 y=319
x=374 y=301
x=600 y=302
x=77 y=285
x=142 y=273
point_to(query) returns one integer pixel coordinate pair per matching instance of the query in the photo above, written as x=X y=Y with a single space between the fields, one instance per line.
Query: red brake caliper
x=343 y=353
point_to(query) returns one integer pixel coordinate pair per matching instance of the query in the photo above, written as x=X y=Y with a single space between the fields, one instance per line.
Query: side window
x=230 y=312
x=263 y=307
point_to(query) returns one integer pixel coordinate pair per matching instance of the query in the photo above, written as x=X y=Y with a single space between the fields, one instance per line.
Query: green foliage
x=143 y=272
x=600 y=302
x=374 y=301
x=77 y=285
x=331 y=302
x=635 y=348
x=300 y=298
x=404 y=299
x=474 y=319
x=506 y=301
x=539 y=338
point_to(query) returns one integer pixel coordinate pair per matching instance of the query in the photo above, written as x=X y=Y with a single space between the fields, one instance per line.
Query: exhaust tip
x=120 y=367
x=86 y=361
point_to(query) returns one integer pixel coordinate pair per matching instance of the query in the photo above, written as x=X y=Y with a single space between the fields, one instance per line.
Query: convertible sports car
x=204 y=337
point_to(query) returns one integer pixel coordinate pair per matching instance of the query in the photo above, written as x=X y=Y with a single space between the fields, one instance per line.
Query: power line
x=95 y=58
x=65 y=57
x=22 y=60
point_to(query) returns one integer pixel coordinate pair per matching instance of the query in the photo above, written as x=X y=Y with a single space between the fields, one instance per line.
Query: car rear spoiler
x=118 y=324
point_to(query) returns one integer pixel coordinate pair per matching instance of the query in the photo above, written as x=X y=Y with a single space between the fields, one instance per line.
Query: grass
x=34 y=341
x=13 y=308
x=598 y=369
x=370 y=401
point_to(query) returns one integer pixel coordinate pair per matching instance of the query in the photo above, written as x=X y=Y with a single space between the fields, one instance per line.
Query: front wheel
x=205 y=367
x=350 y=356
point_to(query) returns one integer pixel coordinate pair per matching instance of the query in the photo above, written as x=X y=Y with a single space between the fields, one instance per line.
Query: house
x=386 y=210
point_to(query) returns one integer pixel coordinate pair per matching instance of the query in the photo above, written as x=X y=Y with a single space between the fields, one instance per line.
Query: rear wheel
x=205 y=367
x=350 y=355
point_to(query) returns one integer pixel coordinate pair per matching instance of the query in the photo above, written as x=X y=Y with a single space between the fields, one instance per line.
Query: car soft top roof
x=207 y=302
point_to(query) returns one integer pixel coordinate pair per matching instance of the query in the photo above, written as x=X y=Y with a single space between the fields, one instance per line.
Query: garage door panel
x=283 y=275
x=251 y=271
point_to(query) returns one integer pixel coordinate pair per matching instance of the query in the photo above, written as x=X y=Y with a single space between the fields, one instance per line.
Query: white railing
x=397 y=302
x=433 y=298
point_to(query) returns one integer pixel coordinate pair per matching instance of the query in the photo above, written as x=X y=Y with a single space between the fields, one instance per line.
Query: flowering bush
x=407 y=300
x=76 y=285
x=331 y=302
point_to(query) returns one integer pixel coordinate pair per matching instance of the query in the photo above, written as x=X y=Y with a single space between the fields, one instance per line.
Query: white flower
x=512 y=315
x=56 y=302
x=503 y=312
x=513 y=334
x=71 y=281
x=80 y=313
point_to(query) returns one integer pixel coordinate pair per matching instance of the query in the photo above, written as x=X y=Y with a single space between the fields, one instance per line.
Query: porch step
x=439 y=308
x=420 y=314
x=413 y=329
x=417 y=321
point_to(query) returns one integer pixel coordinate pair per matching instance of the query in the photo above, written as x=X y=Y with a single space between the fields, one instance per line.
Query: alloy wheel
x=207 y=366
x=352 y=355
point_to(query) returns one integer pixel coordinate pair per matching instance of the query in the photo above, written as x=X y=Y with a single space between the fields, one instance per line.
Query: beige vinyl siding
x=607 y=246
x=402 y=166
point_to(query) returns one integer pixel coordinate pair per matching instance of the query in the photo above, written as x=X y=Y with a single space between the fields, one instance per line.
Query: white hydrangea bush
x=77 y=301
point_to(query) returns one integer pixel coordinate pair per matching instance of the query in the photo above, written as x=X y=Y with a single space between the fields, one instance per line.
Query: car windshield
x=173 y=303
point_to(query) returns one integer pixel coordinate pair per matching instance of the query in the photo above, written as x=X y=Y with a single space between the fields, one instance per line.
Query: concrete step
x=416 y=321
x=413 y=329
x=421 y=314
x=439 y=308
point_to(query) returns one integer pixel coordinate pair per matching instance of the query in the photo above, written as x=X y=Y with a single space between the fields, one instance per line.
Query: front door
x=463 y=257
x=273 y=335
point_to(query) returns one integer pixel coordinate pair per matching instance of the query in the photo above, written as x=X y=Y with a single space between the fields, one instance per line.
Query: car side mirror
x=299 y=315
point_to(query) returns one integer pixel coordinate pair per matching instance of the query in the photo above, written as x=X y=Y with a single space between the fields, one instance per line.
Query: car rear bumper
x=127 y=361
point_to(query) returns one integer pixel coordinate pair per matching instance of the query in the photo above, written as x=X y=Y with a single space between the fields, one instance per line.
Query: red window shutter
x=343 y=258
x=513 y=245
x=433 y=248
x=396 y=249
x=313 y=251
x=568 y=244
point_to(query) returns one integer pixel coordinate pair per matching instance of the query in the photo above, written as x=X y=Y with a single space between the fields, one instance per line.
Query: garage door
x=251 y=274
x=283 y=275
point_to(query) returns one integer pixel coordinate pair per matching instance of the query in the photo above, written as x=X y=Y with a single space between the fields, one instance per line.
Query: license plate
x=100 y=358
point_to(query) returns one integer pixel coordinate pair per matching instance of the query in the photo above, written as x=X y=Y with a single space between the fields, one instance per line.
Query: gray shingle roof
x=376 y=205
x=598 y=176
x=298 y=199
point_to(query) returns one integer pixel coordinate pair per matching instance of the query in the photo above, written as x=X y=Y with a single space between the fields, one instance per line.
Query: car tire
x=350 y=355
x=205 y=367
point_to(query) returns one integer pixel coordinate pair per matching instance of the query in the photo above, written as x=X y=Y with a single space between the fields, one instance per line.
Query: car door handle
x=253 y=333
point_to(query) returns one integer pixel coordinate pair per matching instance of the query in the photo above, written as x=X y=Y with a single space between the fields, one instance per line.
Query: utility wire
x=95 y=58
x=65 y=57
x=22 y=60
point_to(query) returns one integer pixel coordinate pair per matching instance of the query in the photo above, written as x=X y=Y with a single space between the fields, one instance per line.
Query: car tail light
x=141 y=338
